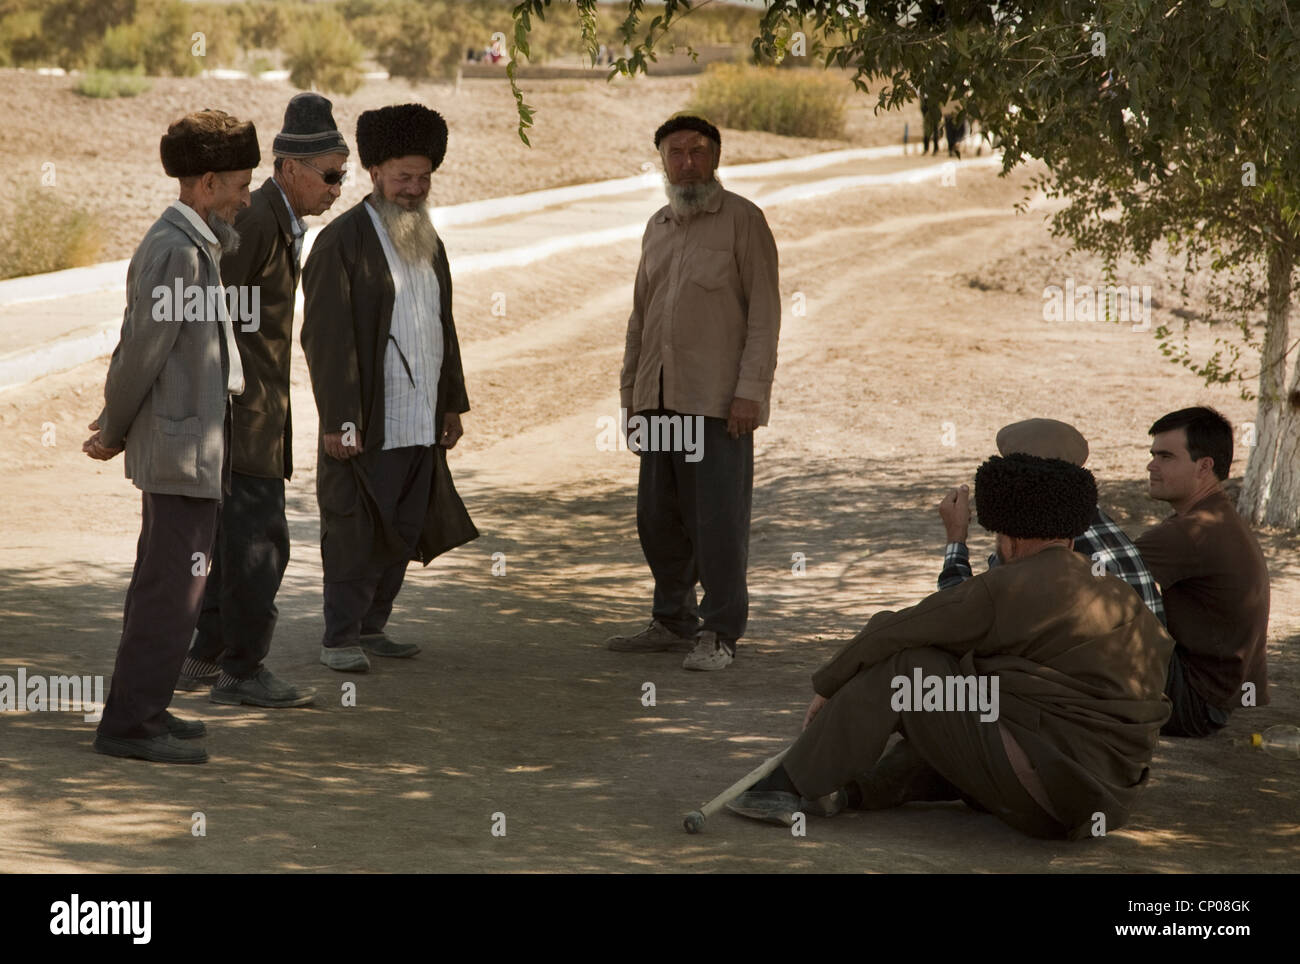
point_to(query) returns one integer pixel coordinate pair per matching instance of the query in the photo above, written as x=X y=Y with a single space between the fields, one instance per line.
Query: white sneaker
x=708 y=654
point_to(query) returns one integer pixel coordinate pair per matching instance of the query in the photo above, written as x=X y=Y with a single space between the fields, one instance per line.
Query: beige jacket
x=706 y=311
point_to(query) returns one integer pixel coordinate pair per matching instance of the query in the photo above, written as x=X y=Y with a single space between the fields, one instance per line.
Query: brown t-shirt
x=1215 y=583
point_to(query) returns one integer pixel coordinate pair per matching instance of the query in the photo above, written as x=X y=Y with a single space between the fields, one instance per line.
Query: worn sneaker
x=261 y=690
x=655 y=638
x=378 y=644
x=709 y=653
x=158 y=749
x=345 y=659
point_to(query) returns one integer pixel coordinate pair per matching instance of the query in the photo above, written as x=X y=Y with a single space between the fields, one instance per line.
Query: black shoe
x=378 y=644
x=184 y=729
x=158 y=749
x=197 y=682
x=261 y=690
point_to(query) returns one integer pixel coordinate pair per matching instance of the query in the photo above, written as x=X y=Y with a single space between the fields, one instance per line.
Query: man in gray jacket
x=166 y=402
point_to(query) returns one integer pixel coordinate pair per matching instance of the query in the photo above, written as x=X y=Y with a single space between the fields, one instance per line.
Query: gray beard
x=411 y=232
x=688 y=200
x=226 y=234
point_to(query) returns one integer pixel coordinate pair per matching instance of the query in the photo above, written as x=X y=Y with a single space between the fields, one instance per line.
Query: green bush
x=46 y=233
x=322 y=53
x=424 y=43
x=22 y=39
x=111 y=83
x=796 y=103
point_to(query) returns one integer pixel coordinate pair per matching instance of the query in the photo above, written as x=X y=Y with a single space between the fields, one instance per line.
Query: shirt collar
x=192 y=216
x=295 y=223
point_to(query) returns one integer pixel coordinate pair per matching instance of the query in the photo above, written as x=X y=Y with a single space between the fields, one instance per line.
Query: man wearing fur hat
x=1104 y=543
x=252 y=551
x=385 y=368
x=166 y=402
x=701 y=350
x=1074 y=664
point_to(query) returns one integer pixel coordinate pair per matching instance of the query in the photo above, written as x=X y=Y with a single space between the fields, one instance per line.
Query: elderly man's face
x=689 y=157
x=307 y=181
x=227 y=193
x=403 y=180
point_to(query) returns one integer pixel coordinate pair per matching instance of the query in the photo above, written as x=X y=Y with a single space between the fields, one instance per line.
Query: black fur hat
x=208 y=140
x=1028 y=497
x=401 y=130
x=687 y=122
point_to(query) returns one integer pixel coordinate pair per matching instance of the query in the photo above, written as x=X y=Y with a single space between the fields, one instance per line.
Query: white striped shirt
x=413 y=358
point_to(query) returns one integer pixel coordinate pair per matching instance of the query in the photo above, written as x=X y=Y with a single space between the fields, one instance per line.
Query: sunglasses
x=329 y=177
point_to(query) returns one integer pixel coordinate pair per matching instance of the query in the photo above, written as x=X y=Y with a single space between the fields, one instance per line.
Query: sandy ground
x=923 y=309
x=105 y=152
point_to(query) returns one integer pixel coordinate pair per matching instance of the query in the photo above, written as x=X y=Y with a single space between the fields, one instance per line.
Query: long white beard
x=226 y=234
x=688 y=200
x=411 y=232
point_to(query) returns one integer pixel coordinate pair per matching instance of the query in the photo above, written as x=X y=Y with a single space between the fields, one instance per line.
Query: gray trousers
x=693 y=520
x=400 y=480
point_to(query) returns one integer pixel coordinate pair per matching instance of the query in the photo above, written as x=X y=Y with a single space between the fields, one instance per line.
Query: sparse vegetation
x=44 y=232
x=322 y=54
x=793 y=102
x=111 y=83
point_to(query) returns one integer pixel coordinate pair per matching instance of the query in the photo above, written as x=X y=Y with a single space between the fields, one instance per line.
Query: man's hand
x=815 y=707
x=335 y=448
x=743 y=418
x=95 y=448
x=955 y=512
x=451 y=430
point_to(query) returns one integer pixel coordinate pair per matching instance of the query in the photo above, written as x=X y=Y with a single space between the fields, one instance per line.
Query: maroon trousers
x=161 y=610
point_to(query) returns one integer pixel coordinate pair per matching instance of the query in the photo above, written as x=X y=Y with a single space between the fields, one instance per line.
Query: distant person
x=701 y=346
x=1103 y=542
x=239 y=613
x=167 y=403
x=931 y=120
x=1212 y=572
x=955 y=132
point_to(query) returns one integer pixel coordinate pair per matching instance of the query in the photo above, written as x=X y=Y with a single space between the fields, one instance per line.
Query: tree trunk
x=1271 y=493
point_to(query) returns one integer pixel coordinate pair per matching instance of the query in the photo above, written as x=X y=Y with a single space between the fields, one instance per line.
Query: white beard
x=688 y=200
x=226 y=234
x=412 y=232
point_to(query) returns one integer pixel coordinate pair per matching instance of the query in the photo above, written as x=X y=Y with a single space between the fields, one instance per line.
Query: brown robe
x=1081 y=665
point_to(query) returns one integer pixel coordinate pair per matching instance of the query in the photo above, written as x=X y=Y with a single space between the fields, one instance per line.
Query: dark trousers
x=847 y=737
x=400 y=480
x=162 y=606
x=693 y=520
x=248 y=562
x=1191 y=715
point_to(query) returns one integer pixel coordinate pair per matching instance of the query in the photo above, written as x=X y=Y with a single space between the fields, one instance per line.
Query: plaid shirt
x=1104 y=542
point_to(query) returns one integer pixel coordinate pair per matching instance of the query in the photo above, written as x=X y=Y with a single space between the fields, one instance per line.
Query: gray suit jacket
x=166 y=393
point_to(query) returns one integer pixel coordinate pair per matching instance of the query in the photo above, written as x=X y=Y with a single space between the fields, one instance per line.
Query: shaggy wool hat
x=687 y=122
x=401 y=130
x=309 y=129
x=208 y=140
x=1045 y=437
x=1028 y=497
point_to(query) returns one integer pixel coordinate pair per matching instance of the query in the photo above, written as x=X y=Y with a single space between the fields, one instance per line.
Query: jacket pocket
x=175 y=456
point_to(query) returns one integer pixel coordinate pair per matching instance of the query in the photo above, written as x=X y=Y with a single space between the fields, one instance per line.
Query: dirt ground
x=105 y=152
x=923 y=325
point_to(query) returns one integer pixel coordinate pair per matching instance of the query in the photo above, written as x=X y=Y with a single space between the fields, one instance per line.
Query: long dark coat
x=348 y=307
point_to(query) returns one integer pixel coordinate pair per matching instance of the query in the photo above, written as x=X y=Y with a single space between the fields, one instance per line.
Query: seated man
x=1074 y=662
x=1212 y=572
x=1103 y=542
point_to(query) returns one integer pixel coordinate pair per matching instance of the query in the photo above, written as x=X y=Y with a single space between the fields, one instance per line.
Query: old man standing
x=701 y=345
x=239 y=612
x=166 y=402
x=385 y=369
